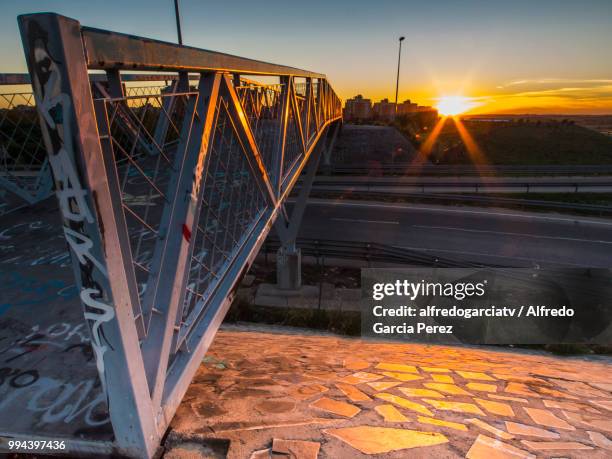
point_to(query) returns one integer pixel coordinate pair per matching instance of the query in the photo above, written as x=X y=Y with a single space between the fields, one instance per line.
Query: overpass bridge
x=167 y=191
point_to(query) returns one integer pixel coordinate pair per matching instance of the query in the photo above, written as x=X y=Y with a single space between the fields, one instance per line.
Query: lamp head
x=401 y=38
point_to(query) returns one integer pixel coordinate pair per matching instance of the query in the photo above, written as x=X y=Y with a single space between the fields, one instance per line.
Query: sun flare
x=454 y=105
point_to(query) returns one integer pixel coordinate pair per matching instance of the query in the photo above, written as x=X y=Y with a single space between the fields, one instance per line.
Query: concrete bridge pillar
x=289 y=257
x=289 y=268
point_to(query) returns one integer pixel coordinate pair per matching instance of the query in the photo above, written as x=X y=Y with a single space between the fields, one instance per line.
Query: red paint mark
x=186 y=233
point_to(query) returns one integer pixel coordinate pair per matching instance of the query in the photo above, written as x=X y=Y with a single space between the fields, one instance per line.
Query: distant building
x=357 y=108
x=384 y=110
x=407 y=107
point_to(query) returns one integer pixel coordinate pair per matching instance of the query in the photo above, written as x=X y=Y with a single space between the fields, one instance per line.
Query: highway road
x=461 y=184
x=497 y=236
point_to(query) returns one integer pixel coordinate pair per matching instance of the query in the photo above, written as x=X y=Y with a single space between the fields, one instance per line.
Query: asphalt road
x=496 y=236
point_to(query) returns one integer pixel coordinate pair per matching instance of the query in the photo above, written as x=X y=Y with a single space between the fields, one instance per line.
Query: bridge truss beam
x=166 y=197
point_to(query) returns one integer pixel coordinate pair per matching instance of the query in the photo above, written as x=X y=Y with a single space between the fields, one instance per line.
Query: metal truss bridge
x=170 y=165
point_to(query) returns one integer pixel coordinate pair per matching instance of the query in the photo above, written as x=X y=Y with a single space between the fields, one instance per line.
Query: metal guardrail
x=369 y=252
x=25 y=178
x=483 y=185
x=408 y=169
x=490 y=200
x=166 y=197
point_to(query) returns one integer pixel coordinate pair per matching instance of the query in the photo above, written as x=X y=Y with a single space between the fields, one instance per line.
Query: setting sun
x=454 y=105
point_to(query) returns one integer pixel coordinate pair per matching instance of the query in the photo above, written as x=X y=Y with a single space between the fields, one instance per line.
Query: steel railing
x=166 y=195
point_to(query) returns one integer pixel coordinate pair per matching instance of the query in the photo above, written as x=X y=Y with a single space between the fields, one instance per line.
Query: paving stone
x=520 y=389
x=475 y=375
x=481 y=387
x=336 y=407
x=523 y=379
x=354 y=394
x=356 y=364
x=309 y=391
x=275 y=406
x=397 y=367
x=402 y=376
x=390 y=414
x=442 y=378
x=570 y=406
x=460 y=407
x=509 y=399
x=530 y=431
x=489 y=428
x=295 y=449
x=435 y=370
x=555 y=393
x=383 y=385
x=582 y=389
x=548 y=419
x=404 y=403
x=607 y=404
x=415 y=392
x=451 y=389
x=259 y=454
x=360 y=377
x=489 y=448
x=554 y=445
x=378 y=440
x=441 y=423
x=603 y=386
x=600 y=440
x=501 y=409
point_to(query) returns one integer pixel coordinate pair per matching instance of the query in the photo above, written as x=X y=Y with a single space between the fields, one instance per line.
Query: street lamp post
x=178 y=22
x=399 y=58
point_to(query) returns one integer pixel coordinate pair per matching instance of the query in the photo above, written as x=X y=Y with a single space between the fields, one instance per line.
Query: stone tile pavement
x=288 y=395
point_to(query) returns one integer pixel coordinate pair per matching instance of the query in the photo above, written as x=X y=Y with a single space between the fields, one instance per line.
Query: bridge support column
x=288 y=256
x=289 y=268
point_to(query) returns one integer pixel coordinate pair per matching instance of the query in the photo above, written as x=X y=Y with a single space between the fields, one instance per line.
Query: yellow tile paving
x=390 y=413
x=489 y=448
x=336 y=407
x=548 y=419
x=451 y=389
x=442 y=378
x=354 y=394
x=530 y=431
x=555 y=445
x=460 y=407
x=415 y=392
x=489 y=428
x=402 y=376
x=397 y=367
x=383 y=385
x=501 y=409
x=441 y=423
x=400 y=401
x=482 y=387
x=378 y=440
x=435 y=370
x=475 y=375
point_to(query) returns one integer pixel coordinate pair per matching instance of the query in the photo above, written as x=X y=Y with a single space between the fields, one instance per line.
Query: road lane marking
x=504 y=233
x=358 y=220
x=322 y=202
